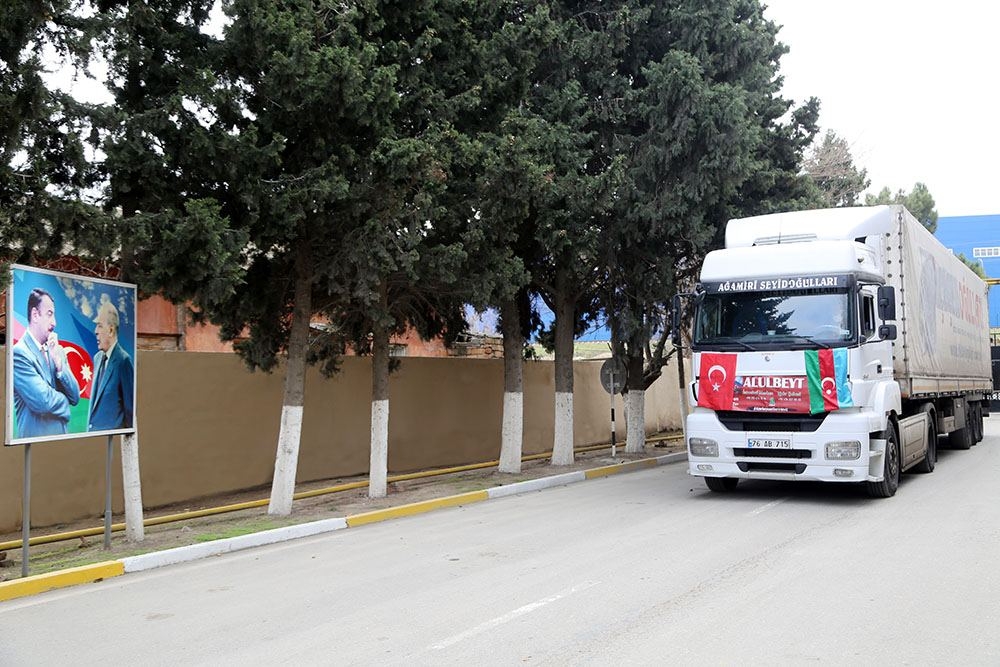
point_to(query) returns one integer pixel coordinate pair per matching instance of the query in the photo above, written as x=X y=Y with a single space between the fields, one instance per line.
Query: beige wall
x=207 y=426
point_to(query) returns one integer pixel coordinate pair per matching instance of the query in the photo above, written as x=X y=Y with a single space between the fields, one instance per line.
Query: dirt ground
x=85 y=550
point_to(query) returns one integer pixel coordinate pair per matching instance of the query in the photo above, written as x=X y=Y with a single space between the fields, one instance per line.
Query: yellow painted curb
x=415 y=508
x=84 y=574
x=618 y=467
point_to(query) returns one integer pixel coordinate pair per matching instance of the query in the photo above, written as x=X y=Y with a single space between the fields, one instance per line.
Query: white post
x=132 y=487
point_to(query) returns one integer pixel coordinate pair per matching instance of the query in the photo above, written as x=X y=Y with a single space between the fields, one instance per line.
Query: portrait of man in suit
x=112 y=393
x=44 y=385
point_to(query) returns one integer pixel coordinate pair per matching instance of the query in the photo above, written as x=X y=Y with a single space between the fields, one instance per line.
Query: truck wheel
x=721 y=484
x=890 y=470
x=927 y=465
x=978 y=422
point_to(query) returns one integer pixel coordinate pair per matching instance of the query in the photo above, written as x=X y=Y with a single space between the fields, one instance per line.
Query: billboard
x=70 y=357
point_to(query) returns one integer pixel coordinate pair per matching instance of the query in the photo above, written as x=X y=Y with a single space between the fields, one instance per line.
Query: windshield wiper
x=812 y=340
x=746 y=346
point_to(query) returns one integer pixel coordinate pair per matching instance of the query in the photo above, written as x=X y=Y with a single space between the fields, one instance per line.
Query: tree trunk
x=287 y=459
x=512 y=434
x=635 y=421
x=683 y=391
x=635 y=398
x=562 y=446
x=379 y=465
x=132 y=486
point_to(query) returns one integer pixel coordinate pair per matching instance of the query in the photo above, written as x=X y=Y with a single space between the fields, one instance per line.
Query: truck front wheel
x=721 y=484
x=890 y=467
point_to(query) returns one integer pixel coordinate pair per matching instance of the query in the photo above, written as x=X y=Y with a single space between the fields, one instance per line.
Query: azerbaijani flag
x=826 y=371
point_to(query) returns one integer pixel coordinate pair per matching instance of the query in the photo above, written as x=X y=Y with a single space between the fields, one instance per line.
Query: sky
x=912 y=86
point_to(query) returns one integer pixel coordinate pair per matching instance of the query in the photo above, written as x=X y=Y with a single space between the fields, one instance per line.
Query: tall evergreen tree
x=46 y=177
x=167 y=167
x=701 y=135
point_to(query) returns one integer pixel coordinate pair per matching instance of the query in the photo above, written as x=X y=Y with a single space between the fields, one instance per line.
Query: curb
x=85 y=574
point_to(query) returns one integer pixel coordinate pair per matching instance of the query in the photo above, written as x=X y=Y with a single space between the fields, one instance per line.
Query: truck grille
x=768 y=421
x=746 y=452
x=760 y=466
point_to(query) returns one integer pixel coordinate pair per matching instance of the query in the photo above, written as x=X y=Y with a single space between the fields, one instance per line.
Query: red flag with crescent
x=716 y=376
x=80 y=364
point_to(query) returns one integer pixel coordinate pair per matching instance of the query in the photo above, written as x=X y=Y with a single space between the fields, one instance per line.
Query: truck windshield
x=746 y=320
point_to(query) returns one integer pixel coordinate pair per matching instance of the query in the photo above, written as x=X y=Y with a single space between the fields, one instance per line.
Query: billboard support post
x=134 y=531
x=26 y=510
x=107 y=493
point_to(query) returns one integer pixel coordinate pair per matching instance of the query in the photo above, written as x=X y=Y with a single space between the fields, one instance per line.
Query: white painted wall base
x=562 y=445
x=378 y=470
x=132 y=483
x=512 y=434
x=286 y=461
x=635 y=421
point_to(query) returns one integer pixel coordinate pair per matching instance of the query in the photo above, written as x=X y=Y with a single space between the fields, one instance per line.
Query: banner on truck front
x=822 y=388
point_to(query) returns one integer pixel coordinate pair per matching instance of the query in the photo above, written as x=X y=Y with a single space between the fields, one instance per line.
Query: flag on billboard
x=826 y=371
x=716 y=376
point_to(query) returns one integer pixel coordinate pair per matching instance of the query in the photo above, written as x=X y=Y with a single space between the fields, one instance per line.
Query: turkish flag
x=716 y=376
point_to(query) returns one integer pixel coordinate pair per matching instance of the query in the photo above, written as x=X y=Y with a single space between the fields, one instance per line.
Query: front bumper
x=805 y=460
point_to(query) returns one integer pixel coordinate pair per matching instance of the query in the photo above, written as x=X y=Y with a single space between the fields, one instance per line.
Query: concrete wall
x=208 y=426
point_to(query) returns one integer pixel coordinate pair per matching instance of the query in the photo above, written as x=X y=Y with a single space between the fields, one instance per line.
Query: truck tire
x=721 y=484
x=927 y=465
x=890 y=467
x=961 y=439
x=978 y=422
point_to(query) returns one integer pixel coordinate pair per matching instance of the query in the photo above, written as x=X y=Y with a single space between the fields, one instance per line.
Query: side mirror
x=887 y=304
x=887 y=332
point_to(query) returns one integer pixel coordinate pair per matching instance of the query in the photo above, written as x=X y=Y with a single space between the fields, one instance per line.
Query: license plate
x=769 y=443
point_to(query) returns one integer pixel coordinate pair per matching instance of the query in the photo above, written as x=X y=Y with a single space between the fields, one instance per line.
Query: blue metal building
x=978 y=238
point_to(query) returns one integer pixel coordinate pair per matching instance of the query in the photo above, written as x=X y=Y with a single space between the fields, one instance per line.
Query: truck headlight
x=703 y=447
x=843 y=450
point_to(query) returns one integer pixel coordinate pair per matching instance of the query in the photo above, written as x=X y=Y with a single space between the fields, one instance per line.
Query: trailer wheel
x=977 y=421
x=890 y=470
x=721 y=484
x=927 y=465
x=962 y=438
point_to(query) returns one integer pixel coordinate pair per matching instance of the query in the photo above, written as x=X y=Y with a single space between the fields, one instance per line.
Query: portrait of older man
x=112 y=393
x=44 y=386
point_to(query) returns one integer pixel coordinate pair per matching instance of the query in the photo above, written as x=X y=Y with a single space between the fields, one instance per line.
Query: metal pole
x=26 y=511
x=107 y=494
x=612 y=392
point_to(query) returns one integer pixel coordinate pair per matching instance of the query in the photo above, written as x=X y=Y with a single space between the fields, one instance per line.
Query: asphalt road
x=643 y=568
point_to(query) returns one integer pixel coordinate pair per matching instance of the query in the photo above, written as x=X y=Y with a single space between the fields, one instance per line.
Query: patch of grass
x=238 y=530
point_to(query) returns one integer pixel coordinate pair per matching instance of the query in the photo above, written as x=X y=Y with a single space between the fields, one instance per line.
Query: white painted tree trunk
x=635 y=418
x=512 y=429
x=132 y=483
x=562 y=448
x=286 y=461
x=512 y=434
x=286 y=457
x=378 y=471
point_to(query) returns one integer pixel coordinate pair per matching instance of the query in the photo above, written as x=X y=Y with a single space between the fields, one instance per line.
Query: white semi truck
x=835 y=345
